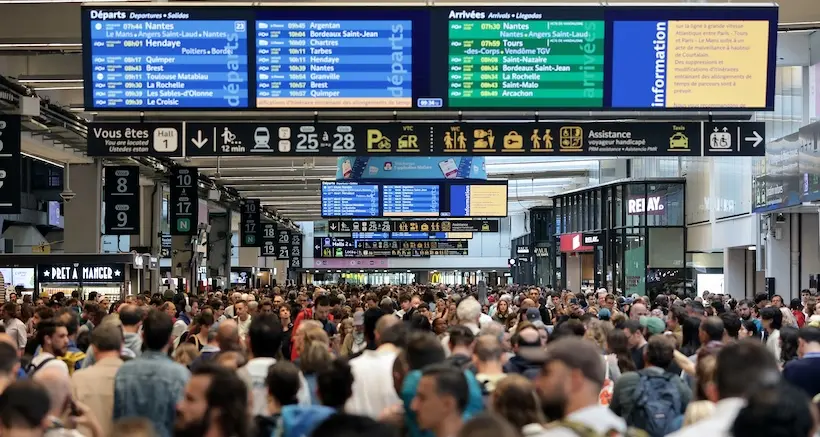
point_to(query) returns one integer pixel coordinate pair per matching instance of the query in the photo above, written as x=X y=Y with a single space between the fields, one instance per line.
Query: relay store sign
x=648 y=205
x=81 y=273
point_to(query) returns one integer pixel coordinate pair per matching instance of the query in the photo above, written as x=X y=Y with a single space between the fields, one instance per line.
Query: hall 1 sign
x=81 y=273
x=122 y=200
x=184 y=201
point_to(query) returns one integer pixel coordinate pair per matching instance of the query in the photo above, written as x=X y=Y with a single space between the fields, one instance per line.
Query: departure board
x=350 y=199
x=166 y=60
x=334 y=64
x=411 y=200
x=498 y=61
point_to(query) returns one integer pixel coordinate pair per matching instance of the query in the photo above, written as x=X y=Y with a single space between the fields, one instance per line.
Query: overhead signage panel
x=10 y=164
x=734 y=139
x=122 y=200
x=350 y=199
x=283 y=245
x=80 y=273
x=465 y=139
x=269 y=237
x=165 y=58
x=184 y=197
x=413 y=225
x=135 y=139
x=334 y=247
x=250 y=224
x=295 y=260
x=429 y=58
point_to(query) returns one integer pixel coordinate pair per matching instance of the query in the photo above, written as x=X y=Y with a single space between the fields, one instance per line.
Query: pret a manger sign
x=81 y=273
x=648 y=205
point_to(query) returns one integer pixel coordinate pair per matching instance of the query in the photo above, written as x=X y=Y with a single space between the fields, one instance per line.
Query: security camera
x=68 y=195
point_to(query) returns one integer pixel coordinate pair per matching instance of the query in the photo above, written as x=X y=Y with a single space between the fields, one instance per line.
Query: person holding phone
x=65 y=414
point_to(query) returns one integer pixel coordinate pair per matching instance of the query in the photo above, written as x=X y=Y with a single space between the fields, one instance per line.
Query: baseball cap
x=358 y=318
x=604 y=314
x=653 y=324
x=576 y=353
x=533 y=315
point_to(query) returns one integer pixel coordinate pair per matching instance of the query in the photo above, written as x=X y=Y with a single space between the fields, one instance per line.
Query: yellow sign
x=409 y=141
x=42 y=248
x=513 y=141
x=484 y=139
x=542 y=141
x=572 y=138
x=377 y=142
x=454 y=140
x=679 y=141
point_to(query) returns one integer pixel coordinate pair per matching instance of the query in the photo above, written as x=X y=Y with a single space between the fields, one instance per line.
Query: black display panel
x=430 y=58
x=184 y=199
x=122 y=200
x=250 y=224
x=343 y=247
x=269 y=237
x=80 y=273
x=440 y=225
x=295 y=261
x=10 y=164
x=283 y=244
x=414 y=199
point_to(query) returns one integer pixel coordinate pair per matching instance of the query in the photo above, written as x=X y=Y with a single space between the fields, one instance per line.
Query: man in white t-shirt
x=373 y=388
x=53 y=337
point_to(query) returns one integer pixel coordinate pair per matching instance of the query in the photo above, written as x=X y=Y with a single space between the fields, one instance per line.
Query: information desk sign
x=122 y=200
x=184 y=193
x=250 y=226
x=269 y=236
x=10 y=164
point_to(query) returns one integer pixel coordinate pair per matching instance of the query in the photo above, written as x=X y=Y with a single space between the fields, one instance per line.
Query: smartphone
x=448 y=168
x=74 y=410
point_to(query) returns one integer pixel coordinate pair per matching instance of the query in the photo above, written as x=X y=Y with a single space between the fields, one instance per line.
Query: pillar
x=735 y=274
x=181 y=255
x=83 y=214
x=779 y=255
x=219 y=249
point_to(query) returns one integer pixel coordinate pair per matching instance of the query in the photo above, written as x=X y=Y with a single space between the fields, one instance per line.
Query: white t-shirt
x=53 y=363
x=373 y=390
x=254 y=374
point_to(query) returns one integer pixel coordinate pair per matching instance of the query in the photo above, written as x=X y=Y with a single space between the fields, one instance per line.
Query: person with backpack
x=52 y=336
x=653 y=399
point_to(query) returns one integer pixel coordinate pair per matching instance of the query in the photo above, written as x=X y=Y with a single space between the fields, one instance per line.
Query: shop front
x=628 y=236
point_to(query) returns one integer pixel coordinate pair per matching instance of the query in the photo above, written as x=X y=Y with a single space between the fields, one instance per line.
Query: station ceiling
x=40 y=47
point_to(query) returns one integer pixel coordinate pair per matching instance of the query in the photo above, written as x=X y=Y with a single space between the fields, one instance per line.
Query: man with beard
x=215 y=405
x=569 y=383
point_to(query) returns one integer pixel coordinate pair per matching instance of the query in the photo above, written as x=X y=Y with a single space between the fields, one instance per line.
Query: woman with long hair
x=788 y=344
x=516 y=400
x=314 y=355
x=502 y=310
x=617 y=344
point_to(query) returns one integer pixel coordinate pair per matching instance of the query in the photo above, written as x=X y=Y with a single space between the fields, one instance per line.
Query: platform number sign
x=122 y=200
x=283 y=244
x=184 y=212
x=250 y=229
x=10 y=164
x=295 y=261
x=269 y=236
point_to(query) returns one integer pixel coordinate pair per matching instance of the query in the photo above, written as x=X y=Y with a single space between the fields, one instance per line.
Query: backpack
x=73 y=360
x=605 y=396
x=31 y=369
x=658 y=408
x=583 y=430
x=300 y=421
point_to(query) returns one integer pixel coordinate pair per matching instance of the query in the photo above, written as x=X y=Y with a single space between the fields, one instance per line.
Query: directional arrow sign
x=734 y=139
x=199 y=141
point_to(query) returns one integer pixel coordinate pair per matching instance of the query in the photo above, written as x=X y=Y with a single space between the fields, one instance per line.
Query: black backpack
x=658 y=407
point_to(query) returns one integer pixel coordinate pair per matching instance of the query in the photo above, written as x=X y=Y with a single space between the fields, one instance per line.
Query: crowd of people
x=409 y=360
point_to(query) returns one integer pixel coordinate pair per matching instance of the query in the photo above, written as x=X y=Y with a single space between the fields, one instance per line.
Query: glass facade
x=629 y=236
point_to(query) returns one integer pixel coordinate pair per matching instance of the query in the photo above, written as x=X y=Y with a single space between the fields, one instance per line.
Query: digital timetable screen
x=271 y=58
x=350 y=199
x=411 y=200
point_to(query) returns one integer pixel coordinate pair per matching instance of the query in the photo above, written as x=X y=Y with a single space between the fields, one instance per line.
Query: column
x=181 y=254
x=219 y=249
x=779 y=255
x=83 y=214
x=735 y=273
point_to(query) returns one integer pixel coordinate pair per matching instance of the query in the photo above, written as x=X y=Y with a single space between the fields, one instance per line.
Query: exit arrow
x=199 y=141
x=756 y=138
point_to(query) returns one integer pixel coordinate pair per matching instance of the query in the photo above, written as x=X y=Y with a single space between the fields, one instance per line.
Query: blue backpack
x=658 y=407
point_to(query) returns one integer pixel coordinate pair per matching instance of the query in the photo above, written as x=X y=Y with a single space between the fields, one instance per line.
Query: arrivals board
x=414 y=200
x=320 y=57
x=151 y=58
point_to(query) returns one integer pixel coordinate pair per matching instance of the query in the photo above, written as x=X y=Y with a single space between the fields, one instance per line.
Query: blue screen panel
x=411 y=200
x=167 y=60
x=341 y=199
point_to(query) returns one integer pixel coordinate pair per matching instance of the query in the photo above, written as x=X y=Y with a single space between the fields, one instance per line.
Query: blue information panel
x=350 y=200
x=169 y=59
x=334 y=64
x=411 y=200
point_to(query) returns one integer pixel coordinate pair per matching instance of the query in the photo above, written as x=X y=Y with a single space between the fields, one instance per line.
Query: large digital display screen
x=429 y=58
x=411 y=200
x=165 y=60
x=408 y=199
x=350 y=199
